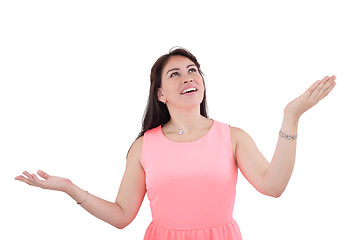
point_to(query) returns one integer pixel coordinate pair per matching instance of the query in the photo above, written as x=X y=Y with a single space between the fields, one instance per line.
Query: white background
x=75 y=81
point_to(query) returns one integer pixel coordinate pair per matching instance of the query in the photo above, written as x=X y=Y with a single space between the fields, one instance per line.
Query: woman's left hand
x=316 y=92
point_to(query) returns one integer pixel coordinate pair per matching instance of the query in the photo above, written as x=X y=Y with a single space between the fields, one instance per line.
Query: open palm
x=316 y=92
x=49 y=182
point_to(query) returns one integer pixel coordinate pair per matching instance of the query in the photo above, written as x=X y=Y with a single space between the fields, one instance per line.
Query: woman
x=187 y=163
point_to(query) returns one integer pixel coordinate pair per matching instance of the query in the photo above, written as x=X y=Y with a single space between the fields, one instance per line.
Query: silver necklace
x=181 y=132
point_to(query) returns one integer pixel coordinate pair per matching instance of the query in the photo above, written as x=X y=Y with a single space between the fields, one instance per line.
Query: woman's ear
x=161 y=96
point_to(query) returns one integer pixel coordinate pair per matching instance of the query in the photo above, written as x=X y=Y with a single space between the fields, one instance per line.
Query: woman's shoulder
x=238 y=135
x=136 y=149
x=236 y=130
x=137 y=144
x=233 y=130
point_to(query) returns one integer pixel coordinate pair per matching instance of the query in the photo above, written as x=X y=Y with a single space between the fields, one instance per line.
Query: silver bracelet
x=287 y=136
x=87 y=194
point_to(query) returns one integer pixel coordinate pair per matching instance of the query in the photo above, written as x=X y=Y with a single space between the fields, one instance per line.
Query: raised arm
x=128 y=201
x=272 y=178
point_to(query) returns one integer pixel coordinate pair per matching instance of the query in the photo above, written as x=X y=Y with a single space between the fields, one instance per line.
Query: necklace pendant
x=181 y=132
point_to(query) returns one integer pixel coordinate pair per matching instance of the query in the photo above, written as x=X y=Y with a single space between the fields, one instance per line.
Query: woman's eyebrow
x=172 y=70
x=179 y=68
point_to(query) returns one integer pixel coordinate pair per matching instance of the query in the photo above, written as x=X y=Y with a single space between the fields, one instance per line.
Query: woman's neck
x=188 y=121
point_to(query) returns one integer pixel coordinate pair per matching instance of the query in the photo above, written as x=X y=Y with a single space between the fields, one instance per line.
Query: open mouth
x=189 y=91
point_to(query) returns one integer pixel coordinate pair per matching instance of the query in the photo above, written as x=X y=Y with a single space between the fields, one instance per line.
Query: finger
x=325 y=89
x=317 y=92
x=37 y=181
x=28 y=175
x=328 y=90
x=43 y=174
x=317 y=88
x=312 y=87
x=24 y=179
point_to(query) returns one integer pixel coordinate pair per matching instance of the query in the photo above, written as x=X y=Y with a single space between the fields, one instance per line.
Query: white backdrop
x=74 y=85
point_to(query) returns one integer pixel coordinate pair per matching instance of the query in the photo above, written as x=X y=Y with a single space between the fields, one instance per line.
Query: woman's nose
x=188 y=80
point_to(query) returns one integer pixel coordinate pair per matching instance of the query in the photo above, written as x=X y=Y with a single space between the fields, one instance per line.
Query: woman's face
x=178 y=74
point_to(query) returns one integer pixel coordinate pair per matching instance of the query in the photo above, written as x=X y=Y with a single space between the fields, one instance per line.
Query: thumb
x=43 y=174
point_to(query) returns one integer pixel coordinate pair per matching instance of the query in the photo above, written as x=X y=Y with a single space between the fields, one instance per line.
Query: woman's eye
x=192 y=70
x=174 y=74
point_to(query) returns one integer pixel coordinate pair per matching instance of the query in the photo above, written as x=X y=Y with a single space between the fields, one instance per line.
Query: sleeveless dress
x=191 y=186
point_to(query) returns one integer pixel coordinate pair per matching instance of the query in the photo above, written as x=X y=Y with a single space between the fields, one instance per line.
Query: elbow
x=120 y=225
x=121 y=221
x=274 y=190
x=275 y=193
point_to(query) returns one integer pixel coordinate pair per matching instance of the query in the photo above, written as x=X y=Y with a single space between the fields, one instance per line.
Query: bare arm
x=272 y=178
x=278 y=173
x=119 y=213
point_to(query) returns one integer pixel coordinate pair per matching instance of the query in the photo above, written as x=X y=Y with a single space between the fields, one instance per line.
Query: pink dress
x=191 y=186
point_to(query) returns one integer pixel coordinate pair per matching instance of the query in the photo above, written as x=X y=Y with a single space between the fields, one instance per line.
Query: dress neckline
x=197 y=140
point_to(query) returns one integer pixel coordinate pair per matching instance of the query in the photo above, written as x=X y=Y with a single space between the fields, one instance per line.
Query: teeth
x=188 y=90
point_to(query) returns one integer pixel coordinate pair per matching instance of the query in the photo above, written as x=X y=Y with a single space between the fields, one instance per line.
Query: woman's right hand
x=49 y=182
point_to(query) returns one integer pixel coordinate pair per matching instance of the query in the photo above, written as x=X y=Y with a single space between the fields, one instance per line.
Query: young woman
x=187 y=162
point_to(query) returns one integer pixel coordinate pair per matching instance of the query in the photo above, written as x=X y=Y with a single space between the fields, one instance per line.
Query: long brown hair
x=156 y=112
